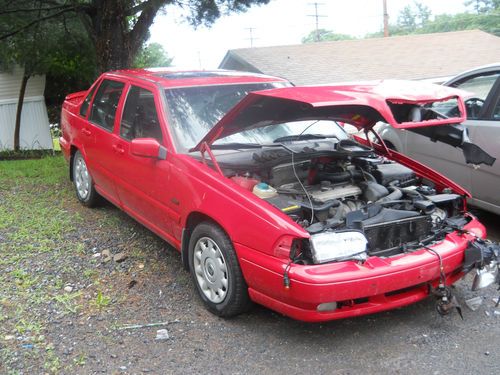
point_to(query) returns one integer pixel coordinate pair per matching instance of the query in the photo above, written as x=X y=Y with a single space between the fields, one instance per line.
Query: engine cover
x=324 y=194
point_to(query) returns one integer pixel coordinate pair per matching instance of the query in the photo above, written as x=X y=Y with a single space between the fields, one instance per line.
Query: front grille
x=388 y=238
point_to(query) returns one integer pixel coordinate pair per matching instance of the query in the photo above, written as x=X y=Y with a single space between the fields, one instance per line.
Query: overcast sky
x=278 y=23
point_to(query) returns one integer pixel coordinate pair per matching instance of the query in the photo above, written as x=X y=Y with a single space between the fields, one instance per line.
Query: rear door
x=101 y=153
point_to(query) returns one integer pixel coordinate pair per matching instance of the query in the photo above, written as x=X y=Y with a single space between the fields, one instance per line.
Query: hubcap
x=210 y=269
x=81 y=178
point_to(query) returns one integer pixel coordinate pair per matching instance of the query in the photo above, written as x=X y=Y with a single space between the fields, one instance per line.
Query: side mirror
x=148 y=148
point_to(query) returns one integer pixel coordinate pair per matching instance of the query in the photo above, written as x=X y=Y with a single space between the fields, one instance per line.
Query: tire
x=216 y=272
x=84 y=185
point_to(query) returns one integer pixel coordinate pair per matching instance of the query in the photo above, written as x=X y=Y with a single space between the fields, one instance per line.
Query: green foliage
x=324 y=35
x=412 y=17
x=152 y=55
x=416 y=20
x=101 y=301
x=483 y=6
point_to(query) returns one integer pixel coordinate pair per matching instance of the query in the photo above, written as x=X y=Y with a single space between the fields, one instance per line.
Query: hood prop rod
x=380 y=140
x=206 y=148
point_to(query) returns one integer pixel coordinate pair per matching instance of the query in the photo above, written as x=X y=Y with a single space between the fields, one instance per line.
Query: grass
x=48 y=241
x=33 y=225
x=47 y=171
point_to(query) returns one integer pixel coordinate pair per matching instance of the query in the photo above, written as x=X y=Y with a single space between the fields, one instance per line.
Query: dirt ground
x=65 y=306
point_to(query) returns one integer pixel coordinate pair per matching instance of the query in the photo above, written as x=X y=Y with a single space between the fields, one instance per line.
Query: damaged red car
x=266 y=196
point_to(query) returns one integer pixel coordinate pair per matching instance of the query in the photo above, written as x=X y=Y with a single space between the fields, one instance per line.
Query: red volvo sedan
x=266 y=196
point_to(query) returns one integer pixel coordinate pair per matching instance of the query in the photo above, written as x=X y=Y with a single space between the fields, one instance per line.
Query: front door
x=143 y=183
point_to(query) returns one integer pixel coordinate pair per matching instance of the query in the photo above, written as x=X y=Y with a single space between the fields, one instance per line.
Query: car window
x=86 y=102
x=496 y=111
x=195 y=110
x=479 y=86
x=140 y=119
x=105 y=103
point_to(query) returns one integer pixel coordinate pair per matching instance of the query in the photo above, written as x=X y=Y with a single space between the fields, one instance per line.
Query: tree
x=152 y=55
x=417 y=20
x=412 y=17
x=483 y=6
x=117 y=28
x=323 y=35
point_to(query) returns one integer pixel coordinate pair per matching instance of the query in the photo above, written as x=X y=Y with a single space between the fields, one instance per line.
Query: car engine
x=350 y=188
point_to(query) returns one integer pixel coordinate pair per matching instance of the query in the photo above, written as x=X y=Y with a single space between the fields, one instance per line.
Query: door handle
x=118 y=149
x=86 y=132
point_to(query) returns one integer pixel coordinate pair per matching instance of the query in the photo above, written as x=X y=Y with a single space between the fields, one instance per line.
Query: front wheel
x=216 y=272
x=84 y=185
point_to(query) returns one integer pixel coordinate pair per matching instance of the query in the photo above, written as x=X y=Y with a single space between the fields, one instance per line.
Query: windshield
x=273 y=133
x=195 y=110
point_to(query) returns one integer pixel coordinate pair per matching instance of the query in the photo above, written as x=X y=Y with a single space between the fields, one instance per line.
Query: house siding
x=35 y=130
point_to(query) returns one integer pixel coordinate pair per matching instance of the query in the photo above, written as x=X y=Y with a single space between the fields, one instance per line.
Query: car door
x=143 y=182
x=445 y=159
x=484 y=129
x=448 y=160
x=100 y=152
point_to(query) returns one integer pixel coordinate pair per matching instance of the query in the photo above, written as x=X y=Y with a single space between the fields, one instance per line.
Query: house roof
x=420 y=56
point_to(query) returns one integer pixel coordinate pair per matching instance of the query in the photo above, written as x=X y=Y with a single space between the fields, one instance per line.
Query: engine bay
x=345 y=186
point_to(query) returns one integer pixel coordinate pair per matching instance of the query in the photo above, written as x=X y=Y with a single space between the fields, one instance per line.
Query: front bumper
x=378 y=284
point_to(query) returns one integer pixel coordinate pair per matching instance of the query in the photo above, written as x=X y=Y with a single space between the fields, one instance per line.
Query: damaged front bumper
x=346 y=289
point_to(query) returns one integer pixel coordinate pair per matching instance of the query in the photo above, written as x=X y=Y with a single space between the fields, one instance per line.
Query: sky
x=280 y=22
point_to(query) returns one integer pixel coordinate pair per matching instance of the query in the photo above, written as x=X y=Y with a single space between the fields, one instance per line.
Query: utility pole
x=386 y=20
x=252 y=38
x=199 y=59
x=316 y=16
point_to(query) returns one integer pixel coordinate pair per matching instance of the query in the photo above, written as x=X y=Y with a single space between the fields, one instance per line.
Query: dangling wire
x=441 y=267
x=297 y=177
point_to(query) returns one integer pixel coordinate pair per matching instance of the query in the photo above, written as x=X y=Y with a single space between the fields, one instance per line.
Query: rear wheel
x=216 y=272
x=84 y=185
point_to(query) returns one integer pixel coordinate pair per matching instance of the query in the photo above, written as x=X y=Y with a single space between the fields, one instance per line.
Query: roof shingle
x=421 y=56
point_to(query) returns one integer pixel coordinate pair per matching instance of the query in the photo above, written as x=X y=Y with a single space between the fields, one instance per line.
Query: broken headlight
x=336 y=246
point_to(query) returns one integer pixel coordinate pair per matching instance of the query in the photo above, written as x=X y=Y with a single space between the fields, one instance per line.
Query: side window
x=480 y=87
x=86 y=102
x=496 y=111
x=105 y=103
x=140 y=119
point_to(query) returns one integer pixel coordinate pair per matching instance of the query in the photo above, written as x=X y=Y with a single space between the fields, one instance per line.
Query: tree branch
x=139 y=33
x=19 y=10
x=35 y=22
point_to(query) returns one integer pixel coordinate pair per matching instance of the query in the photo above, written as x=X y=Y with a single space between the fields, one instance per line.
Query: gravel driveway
x=86 y=297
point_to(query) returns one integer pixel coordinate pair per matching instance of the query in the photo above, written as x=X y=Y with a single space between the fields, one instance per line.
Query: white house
x=35 y=130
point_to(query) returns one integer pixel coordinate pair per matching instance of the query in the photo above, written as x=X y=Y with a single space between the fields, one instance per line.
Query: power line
x=316 y=16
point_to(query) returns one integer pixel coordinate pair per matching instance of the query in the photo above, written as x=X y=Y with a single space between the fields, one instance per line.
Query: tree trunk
x=20 y=102
x=117 y=44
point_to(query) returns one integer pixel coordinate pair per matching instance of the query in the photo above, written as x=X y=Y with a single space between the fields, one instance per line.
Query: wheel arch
x=193 y=219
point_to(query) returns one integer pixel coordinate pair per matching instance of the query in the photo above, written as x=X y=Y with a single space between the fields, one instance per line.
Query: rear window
x=86 y=102
x=105 y=104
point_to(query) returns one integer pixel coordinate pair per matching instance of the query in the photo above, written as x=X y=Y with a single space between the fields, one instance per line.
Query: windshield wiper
x=302 y=137
x=234 y=146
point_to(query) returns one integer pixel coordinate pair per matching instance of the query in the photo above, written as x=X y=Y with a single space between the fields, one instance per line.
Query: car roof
x=170 y=77
x=490 y=68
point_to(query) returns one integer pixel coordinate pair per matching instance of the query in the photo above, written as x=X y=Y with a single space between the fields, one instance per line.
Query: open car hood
x=402 y=104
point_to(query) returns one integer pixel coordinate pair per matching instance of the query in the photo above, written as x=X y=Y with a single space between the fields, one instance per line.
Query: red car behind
x=264 y=194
